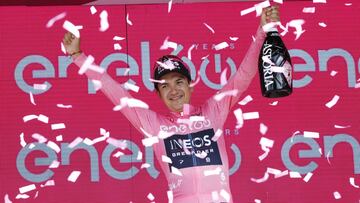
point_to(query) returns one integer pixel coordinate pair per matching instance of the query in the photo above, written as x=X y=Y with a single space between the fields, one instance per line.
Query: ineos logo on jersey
x=184 y=150
x=189 y=144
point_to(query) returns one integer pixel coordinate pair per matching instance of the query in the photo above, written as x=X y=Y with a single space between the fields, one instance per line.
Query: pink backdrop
x=23 y=34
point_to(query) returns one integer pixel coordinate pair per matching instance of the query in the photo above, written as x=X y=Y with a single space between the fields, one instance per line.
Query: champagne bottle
x=275 y=67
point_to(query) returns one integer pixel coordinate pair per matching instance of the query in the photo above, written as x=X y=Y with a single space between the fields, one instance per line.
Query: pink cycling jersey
x=199 y=168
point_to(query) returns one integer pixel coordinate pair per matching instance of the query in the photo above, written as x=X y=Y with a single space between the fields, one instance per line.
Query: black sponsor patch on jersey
x=184 y=150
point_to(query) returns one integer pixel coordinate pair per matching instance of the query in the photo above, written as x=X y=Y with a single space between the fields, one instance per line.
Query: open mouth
x=176 y=98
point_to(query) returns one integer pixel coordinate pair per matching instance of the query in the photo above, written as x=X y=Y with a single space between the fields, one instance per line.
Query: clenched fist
x=270 y=14
x=72 y=44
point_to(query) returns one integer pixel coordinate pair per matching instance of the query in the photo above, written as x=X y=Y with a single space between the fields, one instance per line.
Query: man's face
x=175 y=91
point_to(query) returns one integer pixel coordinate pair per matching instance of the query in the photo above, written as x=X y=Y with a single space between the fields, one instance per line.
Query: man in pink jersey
x=189 y=138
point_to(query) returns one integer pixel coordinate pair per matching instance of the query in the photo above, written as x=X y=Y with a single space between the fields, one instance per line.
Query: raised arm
x=139 y=117
x=245 y=73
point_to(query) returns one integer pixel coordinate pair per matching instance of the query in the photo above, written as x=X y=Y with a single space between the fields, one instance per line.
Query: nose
x=173 y=90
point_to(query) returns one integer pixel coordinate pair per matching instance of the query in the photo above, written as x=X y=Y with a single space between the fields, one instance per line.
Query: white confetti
x=75 y=142
x=333 y=101
x=189 y=51
x=40 y=86
x=342 y=126
x=277 y=69
x=283 y=173
x=204 y=57
x=139 y=155
x=309 y=134
x=239 y=118
x=6 y=199
x=48 y=183
x=104 y=132
x=39 y=138
x=74 y=176
x=274 y=103
x=128 y=21
x=51 y=22
x=150 y=197
x=261 y=180
x=29 y=118
x=348 y=4
x=145 y=165
x=233 y=38
x=273 y=171
x=22 y=196
x=59 y=138
x=337 y=195
x=257 y=200
x=212 y=172
x=166 y=159
x=307 y=177
x=88 y=64
x=210 y=28
x=57 y=126
x=168 y=44
x=43 y=118
x=117 y=38
x=265 y=145
x=93 y=10
x=352 y=182
x=221 y=95
x=278 y=1
x=64 y=106
x=294 y=174
x=170 y=196
x=246 y=100
x=32 y=98
x=225 y=195
x=201 y=155
x=54 y=164
x=71 y=28
x=132 y=103
x=22 y=141
x=221 y=45
x=297 y=24
x=175 y=171
x=122 y=144
x=132 y=87
x=87 y=141
x=218 y=133
x=308 y=10
x=97 y=84
x=117 y=46
x=357 y=85
x=250 y=115
x=62 y=47
x=247 y=11
x=104 y=24
x=157 y=81
x=169 y=5
x=196 y=118
x=118 y=154
x=333 y=73
x=319 y=1
x=147 y=142
x=263 y=129
x=322 y=24
x=27 y=188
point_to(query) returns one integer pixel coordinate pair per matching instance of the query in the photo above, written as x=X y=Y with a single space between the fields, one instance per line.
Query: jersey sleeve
x=138 y=117
x=240 y=81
